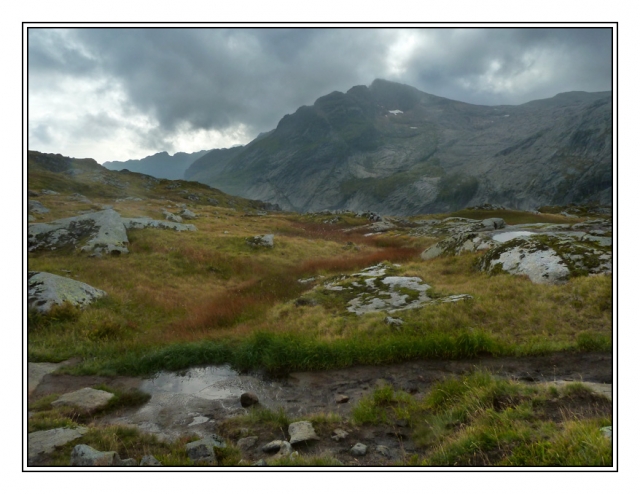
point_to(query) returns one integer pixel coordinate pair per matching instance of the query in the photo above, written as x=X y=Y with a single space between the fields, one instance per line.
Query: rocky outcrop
x=459 y=243
x=138 y=223
x=47 y=290
x=36 y=207
x=550 y=258
x=101 y=232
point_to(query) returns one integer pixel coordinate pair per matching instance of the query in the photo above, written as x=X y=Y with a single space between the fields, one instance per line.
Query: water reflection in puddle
x=506 y=236
x=210 y=383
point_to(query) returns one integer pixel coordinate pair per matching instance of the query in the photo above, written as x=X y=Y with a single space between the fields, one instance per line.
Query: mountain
x=394 y=149
x=160 y=165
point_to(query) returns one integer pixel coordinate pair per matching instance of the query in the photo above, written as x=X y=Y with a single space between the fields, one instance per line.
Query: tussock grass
x=481 y=420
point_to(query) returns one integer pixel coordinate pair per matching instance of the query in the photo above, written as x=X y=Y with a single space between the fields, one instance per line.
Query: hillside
x=159 y=165
x=396 y=150
x=171 y=324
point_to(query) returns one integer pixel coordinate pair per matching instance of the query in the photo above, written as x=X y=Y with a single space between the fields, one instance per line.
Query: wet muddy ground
x=200 y=399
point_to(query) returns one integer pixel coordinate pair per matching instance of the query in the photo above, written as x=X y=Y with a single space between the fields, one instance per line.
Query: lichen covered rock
x=47 y=290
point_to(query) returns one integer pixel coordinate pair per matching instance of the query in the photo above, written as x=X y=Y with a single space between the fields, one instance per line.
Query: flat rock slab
x=139 y=223
x=37 y=370
x=44 y=442
x=47 y=290
x=302 y=431
x=88 y=399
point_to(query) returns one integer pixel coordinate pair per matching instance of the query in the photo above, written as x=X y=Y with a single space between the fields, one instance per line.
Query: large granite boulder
x=302 y=431
x=101 y=232
x=86 y=456
x=47 y=290
x=261 y=241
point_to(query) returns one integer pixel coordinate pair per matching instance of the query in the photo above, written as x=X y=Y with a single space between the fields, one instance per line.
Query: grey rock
x=391 y=321
x=129 y=462
x=359 y=449
x=150 y=461
x=459 y=243
x=187 y=214
x=272 y=447
x=102 y=232
x=36 y=372
x=203 y=451
x=302 y=431
x=259 y=463
x=138 y=223
x=85 y=456
x=261 y=241
x=47 y=290
x=342 y=398
x=37 y=208
x=383 y=450
x=248 y=399
x=50 y=192
x=87 y=399
x=172 y=217
x=247 y=442
x=493 y=223
x=31 y=218
x=607 y=431
x=44 y=442
x=285 y=451
x=339 y=435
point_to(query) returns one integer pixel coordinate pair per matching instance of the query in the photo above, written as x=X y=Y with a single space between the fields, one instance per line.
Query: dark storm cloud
x=220 y=78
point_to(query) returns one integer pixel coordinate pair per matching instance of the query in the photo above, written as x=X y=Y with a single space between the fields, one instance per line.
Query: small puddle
x=506 y=236
x=210 y=383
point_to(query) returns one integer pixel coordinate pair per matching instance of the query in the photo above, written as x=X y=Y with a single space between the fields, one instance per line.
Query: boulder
x=285 y=451
x=247 y=442
x=44 y=442
x=493 y=224
x=172 y=217
x=342 y=398
x=248 y=399
x=459 y=243
x=187 y=214
x=383 y=450
x=272 y=447
x=87 y=399
x=150 y=461
x=101 y=232
x=85 y=456
x=339 y=435
x=359 y=449
x=259 y=463
x=261 y=241
x=302 y=431
x=203 y=451
x=47 y=290
x=36 y=207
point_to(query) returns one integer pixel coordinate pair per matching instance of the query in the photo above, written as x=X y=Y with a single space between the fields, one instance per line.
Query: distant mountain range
x=160 y=165
x=394 y=149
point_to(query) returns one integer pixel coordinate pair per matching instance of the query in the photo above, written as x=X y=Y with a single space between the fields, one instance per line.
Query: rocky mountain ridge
x=394 y=149
x=159 y=165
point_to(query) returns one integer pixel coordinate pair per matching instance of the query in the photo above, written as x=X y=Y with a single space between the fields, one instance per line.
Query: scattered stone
x=188 y=214
x=285 y=451
x=104 y=231
x=493 y=223
x=31 y=218
x=607 y=431
x=44 y=442
x=272 y=447
x=47 y=290
x=342 y=398
x=302 y=431
x=203 y=451
x=138 y=223
x=85 y=456
x=36 y=207
x=393 y=321
x=359 y=450
x=339 y=435
x=150 y=461
x=172 y=217
x=88 y=399
x=248 y=399
x=259 y=463
x=33 y=193
x=383 y=450
x=80 y=198
x=50 y=192
x=459 y=243
x=247 y=442
x=129 y=462
x=261 y=241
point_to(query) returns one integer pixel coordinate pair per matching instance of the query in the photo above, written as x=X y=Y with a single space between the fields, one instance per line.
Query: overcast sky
x=117 y=94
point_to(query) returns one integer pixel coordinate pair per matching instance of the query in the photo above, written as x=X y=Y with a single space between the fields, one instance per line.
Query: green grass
x=482 y=420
